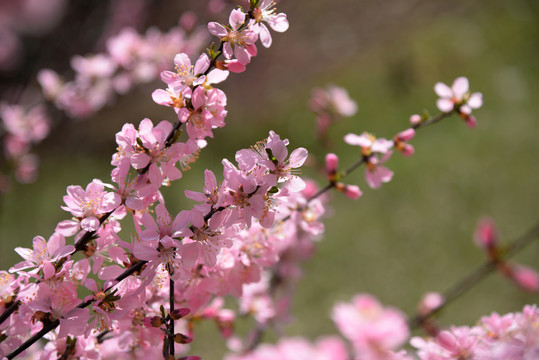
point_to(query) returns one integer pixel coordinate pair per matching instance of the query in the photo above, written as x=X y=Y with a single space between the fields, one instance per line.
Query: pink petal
x=360 y=140
x=442 y=90
x=278 y=22
x=202 y=64
x=445 y=105
x=168 y=77
x=140 y=160
x=199 y=97
x=217 y=76
x=56 y=242
x=48 y=270
x=475 y=101
x=265 y=36
x=162 y=97
x=227 y=51
x=296 y=184
x=90 y=224
x=217 y=29
x=242 y=55
x=110 y=272
x=64 y=251
x=298 y=157
x=236 y=18
x=196 y=196
x=67 y=227
x=40 y=246
x=460 y=87
x=182 y=61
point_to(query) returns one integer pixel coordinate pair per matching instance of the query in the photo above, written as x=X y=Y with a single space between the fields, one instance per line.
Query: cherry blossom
x=372 y=328
x=265 y=12
x=238 y=40
x=43 y=255
x=458 y=97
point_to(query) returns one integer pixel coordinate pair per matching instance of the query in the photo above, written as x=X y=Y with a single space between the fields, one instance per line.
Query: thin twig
x=474 y=277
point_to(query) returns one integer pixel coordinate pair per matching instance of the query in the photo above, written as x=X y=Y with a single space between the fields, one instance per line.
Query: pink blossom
x=60 y=303
x=326 y=348
x=376 y=174
x=187 y=75
x=333 y=100
x=172 y=97
x=156 y=155
x=163 y=225
x=238 y=43
x=369 y=143
x=400 y=140
x=457 y=97
x=8 y=286
x=31 y=125
x=87 y=206
x=43 y=255
x=369 y=326
x=265 y=12
x=26 y=171
x=208 y=112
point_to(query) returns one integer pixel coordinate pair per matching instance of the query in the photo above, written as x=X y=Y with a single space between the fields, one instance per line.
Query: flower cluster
x=130 y=59
x=22 y=129
x=376 y=333
x=23 y=18
x=245 y=236
x=511 y=336
x=330 y=104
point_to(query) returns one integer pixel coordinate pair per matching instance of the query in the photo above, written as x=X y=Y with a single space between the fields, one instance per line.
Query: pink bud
x=430 y=301
x=471 y=121
x=352 y=191
x=179 y=313
x=332 y=162
x=182 y=339
x=415 y=119
x=407 y=150
x=526 y=277
x=231 y=65
x=155 y=321
x=406 y=135
x=485 y=235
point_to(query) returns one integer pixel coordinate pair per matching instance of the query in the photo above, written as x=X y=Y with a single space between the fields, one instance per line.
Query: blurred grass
x=415 y=233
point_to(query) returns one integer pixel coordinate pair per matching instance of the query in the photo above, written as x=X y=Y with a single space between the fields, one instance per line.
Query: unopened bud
x=179 y=313
x=485 y=235
x=526 y=277
x=415 y=119
x=352 y=191
x=155 y=321
x=332 y=162
x=471 y=121
x=182 y=339
x=406 y=135
x=407 y=150
x=429 y=302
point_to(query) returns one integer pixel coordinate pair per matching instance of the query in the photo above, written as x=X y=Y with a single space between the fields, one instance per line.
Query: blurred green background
x=413 y=235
